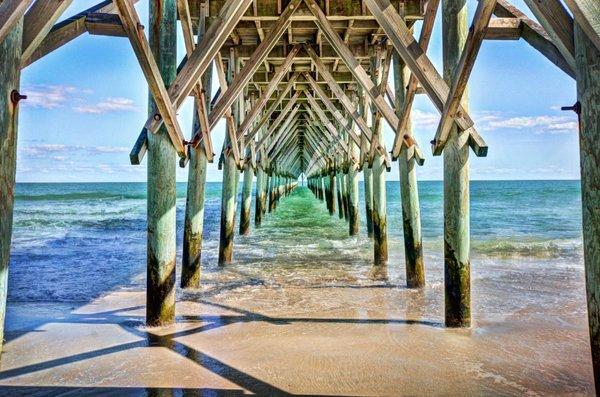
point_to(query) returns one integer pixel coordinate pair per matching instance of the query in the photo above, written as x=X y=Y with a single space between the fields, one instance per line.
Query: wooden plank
x=66 y=31
x=463 y=72
x=586 y=14
x=250 y=67
x=558 y=24
x=103 y=24
x=418 y=62
x=203 y=55
x=11 y=12
x=504 y=29
x=266 y=115
x=141 y=47
x=38 y=21
x=325 y=121
x=332 y=108
x=262 y=101
x=201 y=102
x=413 y=84
x=284 y=113
x=535 y=35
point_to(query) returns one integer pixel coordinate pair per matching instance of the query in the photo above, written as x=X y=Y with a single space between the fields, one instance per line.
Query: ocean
x=74 y=242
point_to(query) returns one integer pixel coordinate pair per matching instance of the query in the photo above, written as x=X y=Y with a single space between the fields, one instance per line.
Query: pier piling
x=10 y=74
x=160 y=291
x=457 y=265
x=587 y=59
x=409 y=194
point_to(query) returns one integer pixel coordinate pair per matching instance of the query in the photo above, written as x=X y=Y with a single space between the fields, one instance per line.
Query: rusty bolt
x=433 y=141
x=157 y=117
x=15 y=96
x=576 y=107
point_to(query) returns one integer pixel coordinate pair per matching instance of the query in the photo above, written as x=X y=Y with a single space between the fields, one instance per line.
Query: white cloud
x=48 y=96
x=541 y=124
x=424 y=119
x=108 y=105
x=53 y=150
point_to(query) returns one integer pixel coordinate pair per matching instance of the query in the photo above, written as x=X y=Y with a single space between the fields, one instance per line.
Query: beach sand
x=256 y=331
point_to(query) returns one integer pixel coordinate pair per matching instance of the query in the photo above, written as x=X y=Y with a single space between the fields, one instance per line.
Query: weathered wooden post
x=332 y=190
x=229 y=186
x=340 y=191
x=194 y=204
x=367 y=172
x=10 y=74
x=587 y=59
x=160 y=282
x=409 y=193
x=457 y=266
x=259 y=195
x=246 y=195
x=380 y=250
x=273 y=191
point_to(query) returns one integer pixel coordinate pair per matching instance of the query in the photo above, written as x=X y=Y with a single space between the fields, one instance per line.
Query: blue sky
x=87 y=104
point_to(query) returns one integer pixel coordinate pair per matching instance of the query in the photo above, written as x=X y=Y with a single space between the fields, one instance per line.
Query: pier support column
x=194 y=216
x=587 y=58
x=332 y=191
x=259 y=195
x=10 y=74
x=409 y=193
x=160 y=282
x=457 y=266
x=367 y=172
x=230 y=182
x=246 y=196
x=272 y=192
x=380 y=248
x=353 y=211
x=340 y=192
x=194 y=203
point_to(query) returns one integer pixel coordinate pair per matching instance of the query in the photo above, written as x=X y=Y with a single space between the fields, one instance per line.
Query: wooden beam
x=413 y=84
x=463 y=72
x=262 y=101
x=104 y=24
x=66 y=31
x=586 y=14
x=414 y=57
x=279 y=119
x=266 y=115
x=11 y=12
x=325 y=121
x=38 y=21
x=250 y=67
x=201 y=105
x=504 y=29
x=558 y=24
x=133 y=27
x=347 y=124
x=535 y=35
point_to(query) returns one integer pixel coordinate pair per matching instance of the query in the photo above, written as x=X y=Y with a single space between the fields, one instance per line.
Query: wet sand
x=297 y=313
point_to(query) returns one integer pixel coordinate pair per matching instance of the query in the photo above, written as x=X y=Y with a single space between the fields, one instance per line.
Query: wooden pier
x=304 y=89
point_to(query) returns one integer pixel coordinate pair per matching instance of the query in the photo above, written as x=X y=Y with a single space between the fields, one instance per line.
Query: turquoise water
x=75 y=242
